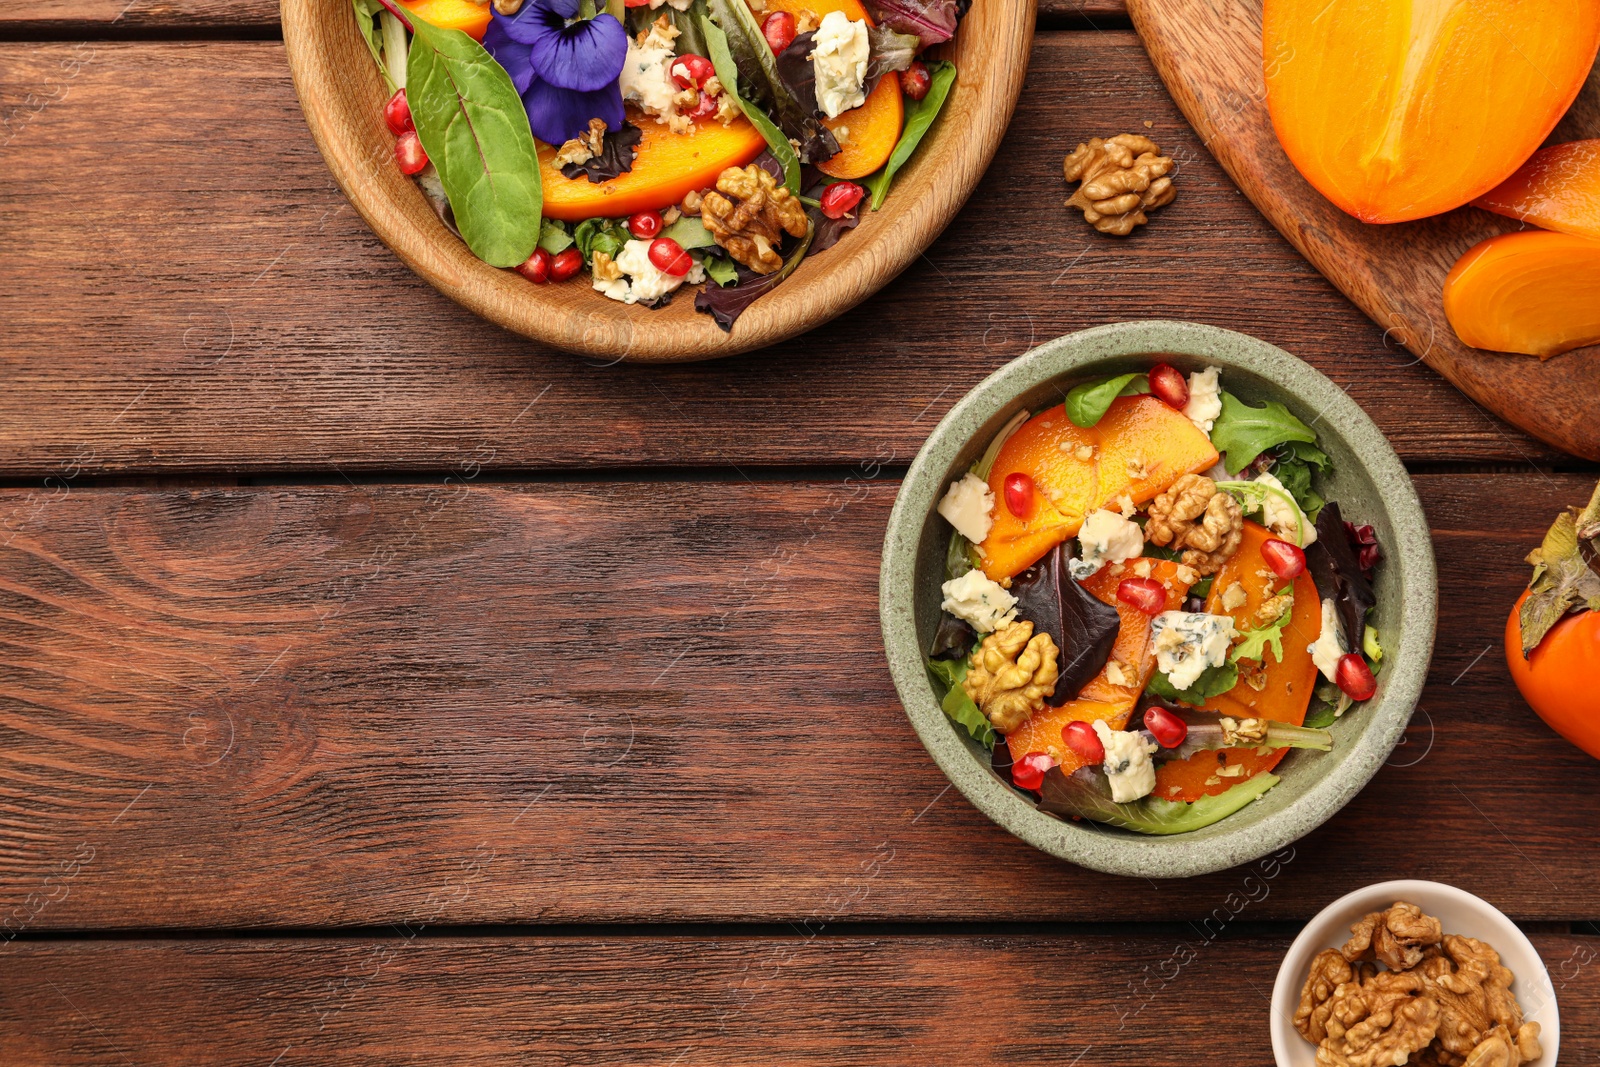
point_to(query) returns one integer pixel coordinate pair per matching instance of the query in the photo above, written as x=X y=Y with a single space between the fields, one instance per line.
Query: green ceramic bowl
x=1370 y=484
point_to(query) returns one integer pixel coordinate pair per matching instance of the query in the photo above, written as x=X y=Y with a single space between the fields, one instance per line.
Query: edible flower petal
x=565 y=70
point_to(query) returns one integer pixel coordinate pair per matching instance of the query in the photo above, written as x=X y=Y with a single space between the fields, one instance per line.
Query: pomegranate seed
x=635 y=3
x=778 y=29
x=691 y=71
x=1145 y=594
x=566 y=265
x=409 y=154
x=397 y=113
x=705 y=107
x=1019 y=495
x=669 y=257
x=1081 y=738
x=1168 y=384
x=1364 y=539
x=1028 y=772
x=537 y=268
x=914 y=80
x=841 y=198
x=1355 y=677
x=645 y=225
x=1168 y=729
x=1287 y=561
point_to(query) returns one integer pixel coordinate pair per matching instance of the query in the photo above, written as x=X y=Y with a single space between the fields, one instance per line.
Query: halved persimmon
x=667 y=166
x=1400 y=109
x=1558 y=189
x=1534 y=292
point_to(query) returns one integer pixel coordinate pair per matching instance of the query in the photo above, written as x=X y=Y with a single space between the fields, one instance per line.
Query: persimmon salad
x=658 y=143
x=1147 y=603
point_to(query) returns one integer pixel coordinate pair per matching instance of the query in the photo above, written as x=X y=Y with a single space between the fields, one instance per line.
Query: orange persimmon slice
x=1138 y=448
x=666 y=167
x=1558 y=189
x=1400 y=109
x=1533 y=292
x=468 y=16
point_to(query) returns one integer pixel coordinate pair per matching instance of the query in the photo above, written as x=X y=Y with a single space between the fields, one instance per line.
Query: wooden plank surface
x=1153 y=999
x=208 y=302
x=230 y=16
x=628 y=701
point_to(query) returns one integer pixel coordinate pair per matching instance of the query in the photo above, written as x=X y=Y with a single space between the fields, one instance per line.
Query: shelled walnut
x=1195 y=517
x=747 y=214
x=1011 y=673
x=1121 y=178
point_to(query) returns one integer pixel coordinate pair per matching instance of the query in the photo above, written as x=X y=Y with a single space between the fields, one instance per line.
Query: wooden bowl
x=342 y=96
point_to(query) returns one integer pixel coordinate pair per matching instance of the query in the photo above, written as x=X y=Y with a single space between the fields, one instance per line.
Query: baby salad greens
x=919 y=117
x=1243 y=432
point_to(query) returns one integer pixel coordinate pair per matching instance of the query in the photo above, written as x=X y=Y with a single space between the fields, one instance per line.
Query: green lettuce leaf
x=690 y=232
x=919 y=117
x=553 y=236
x=957 y=704
x=372 y=33
x=1241 y=432
x=728 y=71
x=1254 y=642
x=1085 y=794
x=473 y=126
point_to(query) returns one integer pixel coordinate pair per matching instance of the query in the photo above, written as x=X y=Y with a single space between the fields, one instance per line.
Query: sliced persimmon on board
x=1534 y=292
x=1112 y=694
x=1286 y=684
x=1558 y=189
x=1138 y=448
x=666 y=166
x=1401 y=109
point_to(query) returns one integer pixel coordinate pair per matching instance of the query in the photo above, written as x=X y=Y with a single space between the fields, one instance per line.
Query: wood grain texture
x=1209 y=54
x=620 y=702
x=1083 y=1000
x=214 y=304
x=342 y=95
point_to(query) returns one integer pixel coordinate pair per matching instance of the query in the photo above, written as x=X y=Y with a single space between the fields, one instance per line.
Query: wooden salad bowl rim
x=342 y=96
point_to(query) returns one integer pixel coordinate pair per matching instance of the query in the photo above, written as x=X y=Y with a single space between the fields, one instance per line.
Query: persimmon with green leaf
x=1401 y=109
x=1552 y=635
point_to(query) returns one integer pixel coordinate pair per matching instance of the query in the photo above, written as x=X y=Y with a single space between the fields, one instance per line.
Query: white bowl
x=1460 y=912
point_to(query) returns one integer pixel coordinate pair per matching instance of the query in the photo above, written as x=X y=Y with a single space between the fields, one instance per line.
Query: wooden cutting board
x=1209 y=54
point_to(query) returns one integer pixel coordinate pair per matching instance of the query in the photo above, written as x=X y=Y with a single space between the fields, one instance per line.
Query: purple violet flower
x=566 y=71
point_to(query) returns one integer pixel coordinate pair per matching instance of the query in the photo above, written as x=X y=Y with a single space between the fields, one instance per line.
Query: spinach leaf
x=474 y=129
x=919 y=116
x=690 y=232
x=1088 y=403
x=553 y=236
x=1213 y=682
x=957 y=704
x=372 y=33
x=1241 y=432
x=728 y=74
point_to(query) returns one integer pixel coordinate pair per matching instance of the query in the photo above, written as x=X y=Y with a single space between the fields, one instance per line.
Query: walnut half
x=747 y=213
x=1121 y=178
x=1011 y=673
x=1195 y=517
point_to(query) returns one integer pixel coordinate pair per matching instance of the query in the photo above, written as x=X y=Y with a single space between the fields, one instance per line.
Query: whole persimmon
x=1552 y=636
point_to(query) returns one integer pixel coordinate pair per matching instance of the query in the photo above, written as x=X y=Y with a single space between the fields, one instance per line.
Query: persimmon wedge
x=468 y=16
x=1138 y=448
x=1401 y=109
x=1534 y=292
x=667 y=166
x=874 y=127
x=1558 y=189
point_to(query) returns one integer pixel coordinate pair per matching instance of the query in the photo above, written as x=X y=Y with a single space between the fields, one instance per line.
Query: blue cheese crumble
x=839 y=60
x=1328 y=648
x=1187 y=642
x=982 y=602
x=1127 y=764
x=968 y=505
x=1106 y=537
x=1205 y=398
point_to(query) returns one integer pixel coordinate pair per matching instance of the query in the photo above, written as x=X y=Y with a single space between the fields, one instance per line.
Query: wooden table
x=376 y=687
